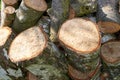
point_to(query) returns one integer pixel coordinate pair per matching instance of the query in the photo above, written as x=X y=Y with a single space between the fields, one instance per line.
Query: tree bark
x=8 y=17
x=108 y=16
x=44 y=22
x=89 y=75
x=52 y=63
x=58 y=14
x=108 y=37
x=83 y=63
x=83 y=7
x=28 y=14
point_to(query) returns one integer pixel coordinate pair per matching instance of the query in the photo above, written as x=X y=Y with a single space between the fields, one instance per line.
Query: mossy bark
x=112 y=70
x=25 y=18
x=58 y=13
x=89 y=75
x=83 y=63
x=51 y=65
x=84 y=7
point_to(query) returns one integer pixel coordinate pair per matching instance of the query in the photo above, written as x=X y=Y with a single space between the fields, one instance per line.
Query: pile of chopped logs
x=61 y=39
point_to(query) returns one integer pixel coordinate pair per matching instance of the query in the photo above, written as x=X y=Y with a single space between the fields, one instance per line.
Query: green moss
x=65 y=4
x=84 y=7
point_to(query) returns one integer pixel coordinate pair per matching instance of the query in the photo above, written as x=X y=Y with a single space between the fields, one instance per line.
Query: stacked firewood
x=62 y=39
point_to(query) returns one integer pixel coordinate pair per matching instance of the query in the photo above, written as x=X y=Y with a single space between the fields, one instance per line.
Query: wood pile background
x=60 y=40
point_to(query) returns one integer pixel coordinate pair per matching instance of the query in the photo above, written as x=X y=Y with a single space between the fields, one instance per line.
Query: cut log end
x=39 y=5
x=77 y=75
x=10 y=2
x=80 y=35
x=5 y=32
x=108 y=27
x=9 y=10
x=28 y=44
x=110 y=52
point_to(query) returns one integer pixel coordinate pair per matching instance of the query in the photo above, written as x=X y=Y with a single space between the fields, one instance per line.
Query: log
x=30 y=43
x=81 y=38
x=58 y=14
x=5 y=32
x=110 y=52
x=8 y=17
x=83 y=7
x=28 y=14
x=108 y=17
x=90 y=75
x=111 y=59
x=80 y=43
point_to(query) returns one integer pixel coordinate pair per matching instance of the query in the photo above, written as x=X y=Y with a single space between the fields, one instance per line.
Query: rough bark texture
x=30 y=43
x=83 y=7
x=58 y=14
x=44 y=22
x=108 y=17
x=89 y=75
x=51 y=65
x=8 y=16
x=27 y=15
x=107 y=37
x=111 y=60
x=83 y=63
